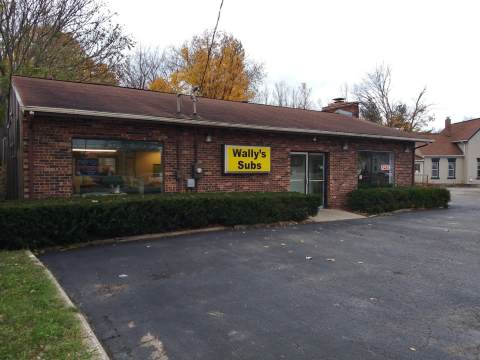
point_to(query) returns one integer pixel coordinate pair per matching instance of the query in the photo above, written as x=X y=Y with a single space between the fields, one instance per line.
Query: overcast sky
x=328 y=43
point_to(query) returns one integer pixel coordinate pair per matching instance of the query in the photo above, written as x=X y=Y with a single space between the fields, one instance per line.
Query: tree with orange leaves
x=226 y=73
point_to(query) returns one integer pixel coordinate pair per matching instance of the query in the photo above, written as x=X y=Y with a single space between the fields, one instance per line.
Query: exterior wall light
x=315 y=138
x=406 y=148
x=345 y=146
x=209 y=136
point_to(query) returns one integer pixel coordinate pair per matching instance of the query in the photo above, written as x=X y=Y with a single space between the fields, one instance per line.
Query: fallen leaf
x=94 y=201
x=265 y=246
x=330 y=259
x=373 y=299
x=2 y=315
x=290 y=251
x=31 y=292
x=360 y=262
x=283 y=244
x=446 y=230
x=302 y=240
x=413 y=349
x=123 y=275
x=309 y=258
x=274 y=230
x=15 y=265
x=148 y=246
x=72 y=247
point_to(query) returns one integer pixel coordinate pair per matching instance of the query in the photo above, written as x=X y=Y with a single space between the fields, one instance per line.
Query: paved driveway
x=401 y=287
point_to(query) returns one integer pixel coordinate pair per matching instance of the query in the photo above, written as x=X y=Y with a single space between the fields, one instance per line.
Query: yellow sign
x=246 y=159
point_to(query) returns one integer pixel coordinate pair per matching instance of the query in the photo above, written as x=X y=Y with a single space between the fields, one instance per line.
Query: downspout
x=194 y=98
x=30 y=156
x=196 y=157
x=413 y=167
x=178 y=161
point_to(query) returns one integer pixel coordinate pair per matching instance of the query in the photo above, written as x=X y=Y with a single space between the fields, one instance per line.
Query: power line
x=210 y=48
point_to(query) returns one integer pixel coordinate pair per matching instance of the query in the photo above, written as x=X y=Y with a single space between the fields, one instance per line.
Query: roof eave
x=442 y=155
x=191 y=121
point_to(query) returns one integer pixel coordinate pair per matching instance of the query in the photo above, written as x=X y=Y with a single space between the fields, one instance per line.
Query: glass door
x=315 y=174
x=307 y=173
x=298 y=171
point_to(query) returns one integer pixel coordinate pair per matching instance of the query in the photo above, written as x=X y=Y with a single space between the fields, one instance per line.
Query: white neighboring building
x=454 y=157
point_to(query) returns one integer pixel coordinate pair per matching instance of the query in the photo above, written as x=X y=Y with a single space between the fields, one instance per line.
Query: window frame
x=436 y=161
x=478 y=168
x=161 y=145
x=454 y=169
x=369 y=159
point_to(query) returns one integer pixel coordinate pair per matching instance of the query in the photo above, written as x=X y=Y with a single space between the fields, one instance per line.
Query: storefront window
x=117 y=166
x=374 y=168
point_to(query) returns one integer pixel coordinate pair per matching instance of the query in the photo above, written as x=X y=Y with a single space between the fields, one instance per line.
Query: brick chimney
x=448 y=127
x=342 y=105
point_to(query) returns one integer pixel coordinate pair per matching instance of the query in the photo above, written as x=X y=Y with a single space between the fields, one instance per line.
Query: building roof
x=79 y=99
x=446 y=145
x=442 y=146
x=464 y=130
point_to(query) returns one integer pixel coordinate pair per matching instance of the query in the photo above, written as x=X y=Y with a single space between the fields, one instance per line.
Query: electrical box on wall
x=197 y=171
x=190 y=183
x=179 y=175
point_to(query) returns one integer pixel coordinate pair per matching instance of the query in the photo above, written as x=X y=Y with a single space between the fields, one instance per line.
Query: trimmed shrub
x=47 y=222
x=380 y=200
x=373 y=185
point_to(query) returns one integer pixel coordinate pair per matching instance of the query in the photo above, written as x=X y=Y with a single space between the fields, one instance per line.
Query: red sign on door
x=385 y=167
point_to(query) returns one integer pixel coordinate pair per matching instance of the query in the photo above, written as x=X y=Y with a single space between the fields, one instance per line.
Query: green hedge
x=379 y=200
x=373 y=185
x=48 y=222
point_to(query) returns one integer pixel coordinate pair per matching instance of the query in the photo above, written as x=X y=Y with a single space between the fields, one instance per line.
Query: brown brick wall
x=53 y=156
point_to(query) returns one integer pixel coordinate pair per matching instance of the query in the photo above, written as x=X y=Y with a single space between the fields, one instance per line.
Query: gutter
x=178 y=121
x=413 y=167
x=441 y=155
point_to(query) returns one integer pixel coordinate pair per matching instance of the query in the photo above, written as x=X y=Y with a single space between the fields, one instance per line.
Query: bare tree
x=293 y=97
x=344 y=90
x=144 y=66
x=378 y=105
x=280 y=94
x=67 y=39
x=285 y=95
x=305 y=97
x=263 y=95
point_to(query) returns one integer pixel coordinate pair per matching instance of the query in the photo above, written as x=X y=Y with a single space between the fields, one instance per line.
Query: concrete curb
x=194 y=231
x=137 y=238
x=89 y=336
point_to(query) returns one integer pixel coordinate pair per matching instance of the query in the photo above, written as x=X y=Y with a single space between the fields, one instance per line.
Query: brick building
x=67 y=139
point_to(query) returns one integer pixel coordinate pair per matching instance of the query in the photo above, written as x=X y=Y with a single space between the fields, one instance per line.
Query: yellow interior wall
x=144 y=162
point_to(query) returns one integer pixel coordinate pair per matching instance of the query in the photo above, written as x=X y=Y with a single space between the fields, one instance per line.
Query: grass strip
x=34 y=322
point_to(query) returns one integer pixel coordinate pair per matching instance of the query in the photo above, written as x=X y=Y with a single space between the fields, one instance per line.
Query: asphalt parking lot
x=404 y=286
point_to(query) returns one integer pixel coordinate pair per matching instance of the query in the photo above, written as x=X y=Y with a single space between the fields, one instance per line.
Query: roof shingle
x=42 y=94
